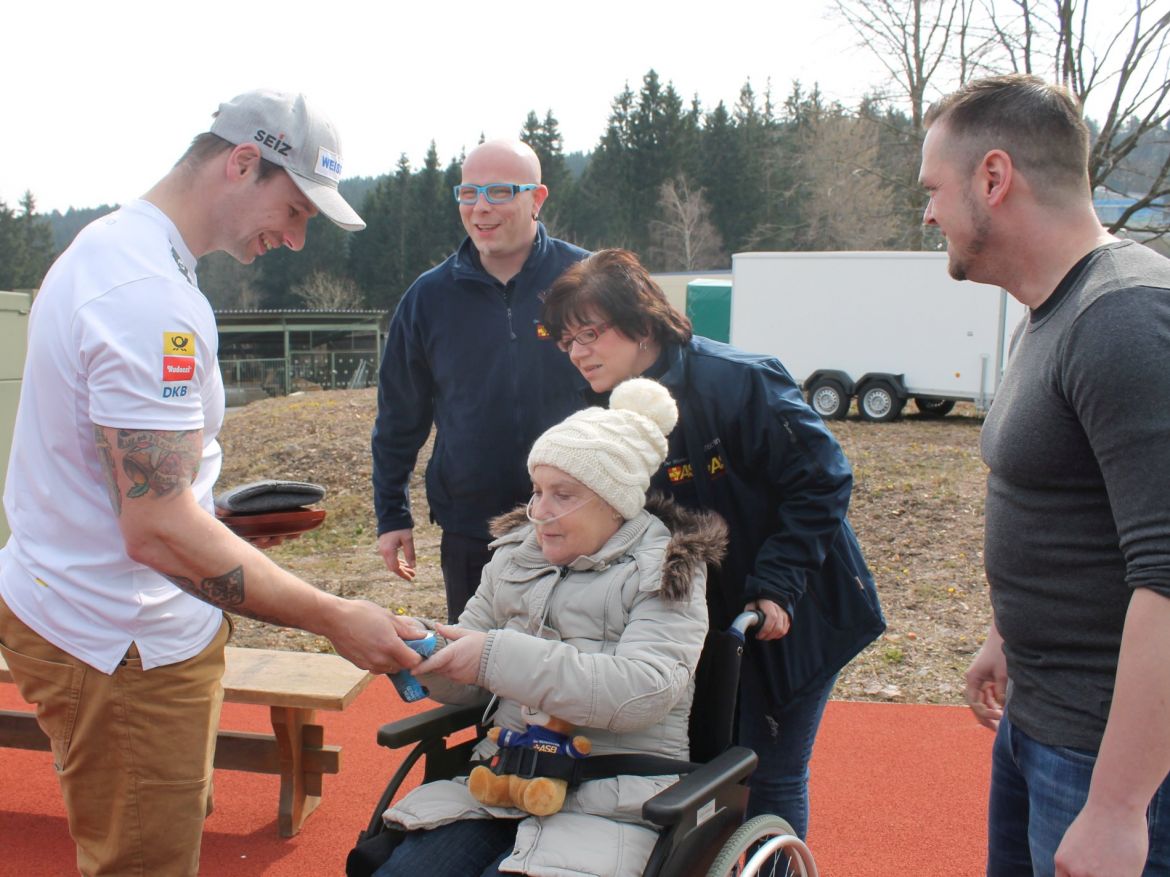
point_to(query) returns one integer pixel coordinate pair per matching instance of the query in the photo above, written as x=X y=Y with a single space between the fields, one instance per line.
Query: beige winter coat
x=609 y=643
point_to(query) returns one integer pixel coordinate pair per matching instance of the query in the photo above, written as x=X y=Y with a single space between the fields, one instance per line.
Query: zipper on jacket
x=506 y=295
x=562 y=574
x=512 y=353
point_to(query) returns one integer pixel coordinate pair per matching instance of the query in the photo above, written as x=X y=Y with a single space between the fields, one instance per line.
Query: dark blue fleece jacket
x=469 y=355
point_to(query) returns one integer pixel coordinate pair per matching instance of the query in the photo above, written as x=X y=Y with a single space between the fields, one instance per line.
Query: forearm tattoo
x=158 y=462
x=225 y=591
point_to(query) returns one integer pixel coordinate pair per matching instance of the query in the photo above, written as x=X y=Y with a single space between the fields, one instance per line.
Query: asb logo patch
x=178 y=344
x=178 y=368
x=681 y=471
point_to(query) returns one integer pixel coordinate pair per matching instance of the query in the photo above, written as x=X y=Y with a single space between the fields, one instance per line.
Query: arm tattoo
x=225 y=591
x=158 y=462
x=107 y=458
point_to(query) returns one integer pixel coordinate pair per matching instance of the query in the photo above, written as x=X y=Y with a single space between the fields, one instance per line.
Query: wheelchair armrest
x=434 y=723
x=699 y=787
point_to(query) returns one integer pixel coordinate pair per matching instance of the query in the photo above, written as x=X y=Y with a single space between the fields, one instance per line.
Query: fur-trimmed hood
x=697 y=538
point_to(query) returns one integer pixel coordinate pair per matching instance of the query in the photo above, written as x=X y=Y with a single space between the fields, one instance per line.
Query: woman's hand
x=776 y=621
x=458 y=660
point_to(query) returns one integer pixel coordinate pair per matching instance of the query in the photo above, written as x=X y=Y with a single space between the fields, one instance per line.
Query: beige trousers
x=133 y=750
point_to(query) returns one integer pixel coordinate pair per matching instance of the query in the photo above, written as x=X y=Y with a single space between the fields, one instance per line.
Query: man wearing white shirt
x=115 y=578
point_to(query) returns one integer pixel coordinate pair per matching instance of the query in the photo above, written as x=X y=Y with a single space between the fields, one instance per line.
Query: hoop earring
x=535 y=216
x=642 y=344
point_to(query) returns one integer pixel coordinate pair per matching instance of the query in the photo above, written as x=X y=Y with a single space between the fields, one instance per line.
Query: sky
x=100 y=99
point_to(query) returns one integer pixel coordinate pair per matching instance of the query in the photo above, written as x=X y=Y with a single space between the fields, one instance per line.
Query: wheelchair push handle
x=744 y=622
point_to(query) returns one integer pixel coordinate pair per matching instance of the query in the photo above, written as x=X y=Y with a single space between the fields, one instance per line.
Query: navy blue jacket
x=469 y=355
x=777 y=475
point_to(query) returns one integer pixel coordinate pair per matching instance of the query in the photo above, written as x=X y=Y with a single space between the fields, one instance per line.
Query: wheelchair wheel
x=765 y=845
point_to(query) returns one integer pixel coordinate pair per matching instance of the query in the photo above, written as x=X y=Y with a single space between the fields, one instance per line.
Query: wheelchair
x=702 y=832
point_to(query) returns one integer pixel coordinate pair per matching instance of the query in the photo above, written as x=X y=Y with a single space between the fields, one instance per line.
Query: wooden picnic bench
x=293 y=685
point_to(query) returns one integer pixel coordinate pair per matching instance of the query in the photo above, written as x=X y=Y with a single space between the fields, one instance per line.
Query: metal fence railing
x=334 y=370
x=248 y=379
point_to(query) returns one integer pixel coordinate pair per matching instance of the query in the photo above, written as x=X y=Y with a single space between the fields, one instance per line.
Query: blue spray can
x=409 y=688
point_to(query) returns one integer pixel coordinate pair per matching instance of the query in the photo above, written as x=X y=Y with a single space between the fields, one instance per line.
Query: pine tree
x=377 y=255
x=720 y=175
x=544 y=136
x=453 y=222
x=26 y=246
x=427 y=240
x=603 y=212
x=11 y=249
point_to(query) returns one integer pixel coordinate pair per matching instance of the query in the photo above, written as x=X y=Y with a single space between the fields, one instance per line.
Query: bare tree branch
x=1116 y=64
x=323 y=291
x=685 y=239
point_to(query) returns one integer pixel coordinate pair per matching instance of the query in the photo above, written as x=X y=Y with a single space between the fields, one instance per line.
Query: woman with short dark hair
x=749 y=447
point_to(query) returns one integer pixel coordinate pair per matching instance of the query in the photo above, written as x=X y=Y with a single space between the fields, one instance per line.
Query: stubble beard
x=959 y=263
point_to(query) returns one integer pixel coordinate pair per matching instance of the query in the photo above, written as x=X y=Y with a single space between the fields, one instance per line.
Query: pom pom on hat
x=613 y=451
x=648 y=398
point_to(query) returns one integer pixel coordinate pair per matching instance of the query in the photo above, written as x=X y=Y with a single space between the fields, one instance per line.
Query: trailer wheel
x=934 y=407
x=828 y=399
x=877 y=401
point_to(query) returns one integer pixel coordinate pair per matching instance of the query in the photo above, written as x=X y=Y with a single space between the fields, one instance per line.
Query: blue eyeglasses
x=495 y=193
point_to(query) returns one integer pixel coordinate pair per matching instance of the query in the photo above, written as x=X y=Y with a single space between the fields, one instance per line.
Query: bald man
x=467 y=353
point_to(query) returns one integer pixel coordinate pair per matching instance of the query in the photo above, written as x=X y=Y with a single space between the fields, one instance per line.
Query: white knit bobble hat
x=613 y=451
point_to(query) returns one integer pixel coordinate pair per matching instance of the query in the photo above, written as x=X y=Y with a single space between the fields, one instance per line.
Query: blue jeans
x=468 y=848
x=783 y=739
x=1036 y=793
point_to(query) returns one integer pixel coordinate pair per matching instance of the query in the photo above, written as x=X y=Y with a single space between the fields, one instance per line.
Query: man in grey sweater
x=1075 y=673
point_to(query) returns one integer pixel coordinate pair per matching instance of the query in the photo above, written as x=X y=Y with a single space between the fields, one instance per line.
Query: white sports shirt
x=121 y=336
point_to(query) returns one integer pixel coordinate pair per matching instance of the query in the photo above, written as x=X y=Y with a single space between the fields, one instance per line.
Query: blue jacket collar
x=467 y=264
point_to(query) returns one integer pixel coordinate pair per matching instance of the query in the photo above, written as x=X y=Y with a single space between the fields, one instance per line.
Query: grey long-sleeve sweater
x=1078 y=496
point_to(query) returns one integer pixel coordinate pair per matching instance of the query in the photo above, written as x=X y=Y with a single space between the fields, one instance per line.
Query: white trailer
x=883 y=327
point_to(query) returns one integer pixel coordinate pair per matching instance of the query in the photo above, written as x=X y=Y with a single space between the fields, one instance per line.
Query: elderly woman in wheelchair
x=592 y=610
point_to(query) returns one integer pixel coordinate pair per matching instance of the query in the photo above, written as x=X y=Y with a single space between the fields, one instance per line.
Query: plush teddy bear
x=540 y=796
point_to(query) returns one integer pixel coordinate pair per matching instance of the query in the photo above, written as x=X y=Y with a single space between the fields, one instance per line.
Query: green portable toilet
x=709 y=308
x=14 y=307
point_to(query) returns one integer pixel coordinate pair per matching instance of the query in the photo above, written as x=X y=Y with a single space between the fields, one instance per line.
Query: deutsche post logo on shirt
x=178 y=356
x=178 y=344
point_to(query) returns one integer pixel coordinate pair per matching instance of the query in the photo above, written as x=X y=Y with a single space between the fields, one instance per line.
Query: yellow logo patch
x=178 y=344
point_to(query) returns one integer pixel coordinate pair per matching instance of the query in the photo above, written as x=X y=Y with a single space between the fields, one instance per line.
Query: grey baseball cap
x=292 y=134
